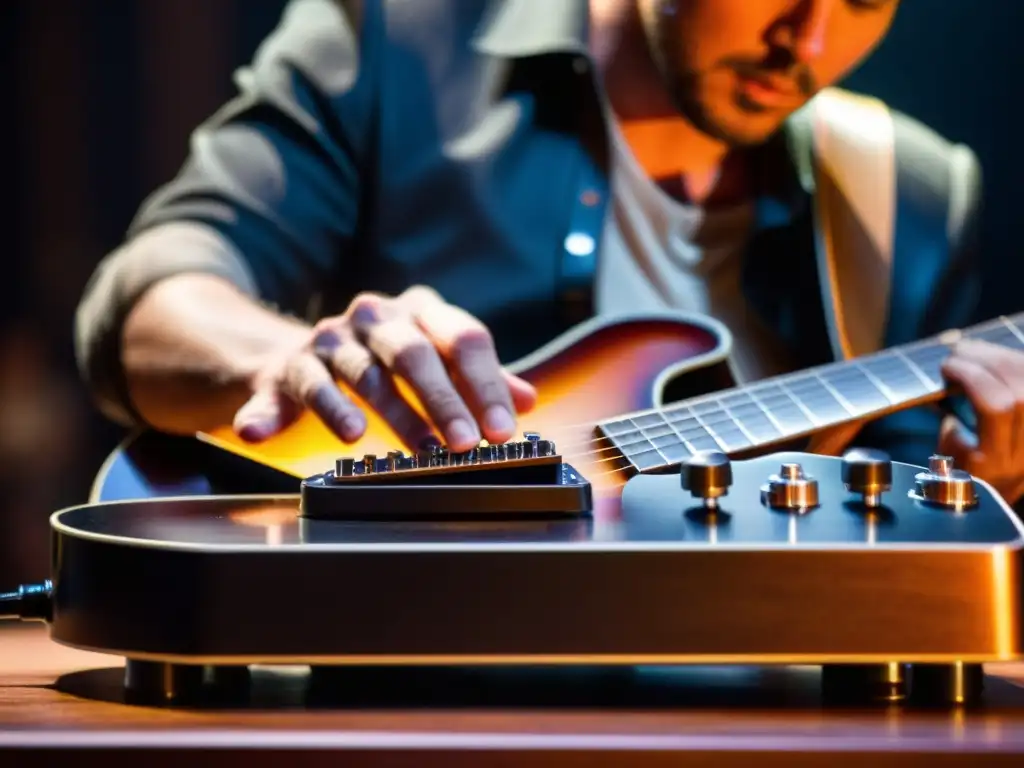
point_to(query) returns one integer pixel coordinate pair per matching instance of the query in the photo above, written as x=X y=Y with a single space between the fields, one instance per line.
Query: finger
x=991 y=398
x=356 y=366
x=1008 y=366
x=307 y=381
x=524 y=394
x=364 y=310
x=264 y=415
x=422 y=299
x=1005 y=364
x=468 y=350
x=959 y=442
x=419 y=297
x=426 y=303
x=406 y=352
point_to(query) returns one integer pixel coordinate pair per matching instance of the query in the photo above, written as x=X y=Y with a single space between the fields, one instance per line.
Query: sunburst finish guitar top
x=617 y=396
x=595 y=373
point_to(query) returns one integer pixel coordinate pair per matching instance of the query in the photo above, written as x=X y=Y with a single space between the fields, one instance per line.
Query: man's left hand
x=992 y=378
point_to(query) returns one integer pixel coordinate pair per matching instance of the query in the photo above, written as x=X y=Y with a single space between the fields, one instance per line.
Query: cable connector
x=29 y=602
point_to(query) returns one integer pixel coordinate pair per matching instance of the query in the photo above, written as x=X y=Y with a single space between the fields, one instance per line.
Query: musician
x=433 y=188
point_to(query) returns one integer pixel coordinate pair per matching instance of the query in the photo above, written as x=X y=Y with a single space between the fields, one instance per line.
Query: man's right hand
x=443 y=354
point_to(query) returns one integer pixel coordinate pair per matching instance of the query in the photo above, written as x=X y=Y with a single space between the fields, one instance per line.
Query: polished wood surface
x=53 y=698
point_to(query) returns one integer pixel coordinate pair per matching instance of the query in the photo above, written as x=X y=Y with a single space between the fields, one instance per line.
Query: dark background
x=99 y=96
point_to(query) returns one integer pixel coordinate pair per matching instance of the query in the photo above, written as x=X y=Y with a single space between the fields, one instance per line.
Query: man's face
x=738 y=68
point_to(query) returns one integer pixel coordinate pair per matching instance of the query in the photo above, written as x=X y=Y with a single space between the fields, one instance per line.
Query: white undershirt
x=657 y=253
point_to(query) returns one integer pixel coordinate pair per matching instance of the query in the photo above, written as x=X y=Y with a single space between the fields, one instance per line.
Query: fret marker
x=951 y=337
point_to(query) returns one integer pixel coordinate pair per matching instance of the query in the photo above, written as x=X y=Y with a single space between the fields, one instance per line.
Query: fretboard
x=785 y=407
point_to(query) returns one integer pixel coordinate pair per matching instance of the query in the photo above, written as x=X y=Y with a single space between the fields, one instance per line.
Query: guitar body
x=599 y=370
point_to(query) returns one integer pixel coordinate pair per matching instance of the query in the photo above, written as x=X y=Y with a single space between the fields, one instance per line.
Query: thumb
x=956 y=439
x=264 y=415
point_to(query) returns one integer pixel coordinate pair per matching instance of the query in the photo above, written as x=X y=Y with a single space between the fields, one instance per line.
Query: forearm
x=191 y=346
x=167 y=331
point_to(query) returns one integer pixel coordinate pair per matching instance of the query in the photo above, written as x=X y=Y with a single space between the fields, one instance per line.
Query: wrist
x=193 y=348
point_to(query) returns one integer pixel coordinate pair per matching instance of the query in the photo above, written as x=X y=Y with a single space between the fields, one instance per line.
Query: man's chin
x=735 y=121
x=742 y=130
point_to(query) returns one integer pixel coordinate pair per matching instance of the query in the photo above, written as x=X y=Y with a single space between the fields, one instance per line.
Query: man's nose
x=806 y=28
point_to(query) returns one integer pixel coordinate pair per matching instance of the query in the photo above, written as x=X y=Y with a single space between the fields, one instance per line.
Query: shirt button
x=580 y=244
x=590 y=197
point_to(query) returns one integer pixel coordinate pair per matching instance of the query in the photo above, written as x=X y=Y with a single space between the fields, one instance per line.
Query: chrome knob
x=369 y=463
x=707 y=476
x=944 y=486
x=394 y=460
x=940 y=465
x=790 y=489
x=867 y=472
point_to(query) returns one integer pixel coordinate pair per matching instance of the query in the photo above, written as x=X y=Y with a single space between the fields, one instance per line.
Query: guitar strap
x=852 y=145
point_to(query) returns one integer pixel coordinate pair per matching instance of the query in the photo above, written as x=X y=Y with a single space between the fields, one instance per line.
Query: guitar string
x=1003 y=324
x=707 y=424
x=795 y=375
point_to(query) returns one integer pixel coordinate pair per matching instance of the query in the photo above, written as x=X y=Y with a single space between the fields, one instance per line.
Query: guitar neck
x=794 y=405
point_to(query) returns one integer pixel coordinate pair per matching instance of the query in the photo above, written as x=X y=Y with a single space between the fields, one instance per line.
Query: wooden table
x=57 y=703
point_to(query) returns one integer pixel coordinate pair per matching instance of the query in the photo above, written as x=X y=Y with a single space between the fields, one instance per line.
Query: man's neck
x=667 y=147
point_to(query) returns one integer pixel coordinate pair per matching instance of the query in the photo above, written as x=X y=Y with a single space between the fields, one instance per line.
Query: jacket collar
x=526 y=28
x=522 y=28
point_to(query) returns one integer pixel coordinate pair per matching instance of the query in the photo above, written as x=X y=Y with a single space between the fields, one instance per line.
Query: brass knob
x=944 y=486
x=791 y=489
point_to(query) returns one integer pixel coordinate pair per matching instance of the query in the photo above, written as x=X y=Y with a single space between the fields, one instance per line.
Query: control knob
x=790 y=489
x=707 y=475
x=944 y=486
x=867 y=472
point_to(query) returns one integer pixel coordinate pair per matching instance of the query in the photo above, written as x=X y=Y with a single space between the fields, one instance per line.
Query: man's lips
x=769 y=92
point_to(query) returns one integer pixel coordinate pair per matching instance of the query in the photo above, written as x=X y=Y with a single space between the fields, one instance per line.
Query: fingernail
x=352 y=428
x=364 y=315
x=497 y=419
x=326 y=343
x=255 y=431
x=462 y=433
